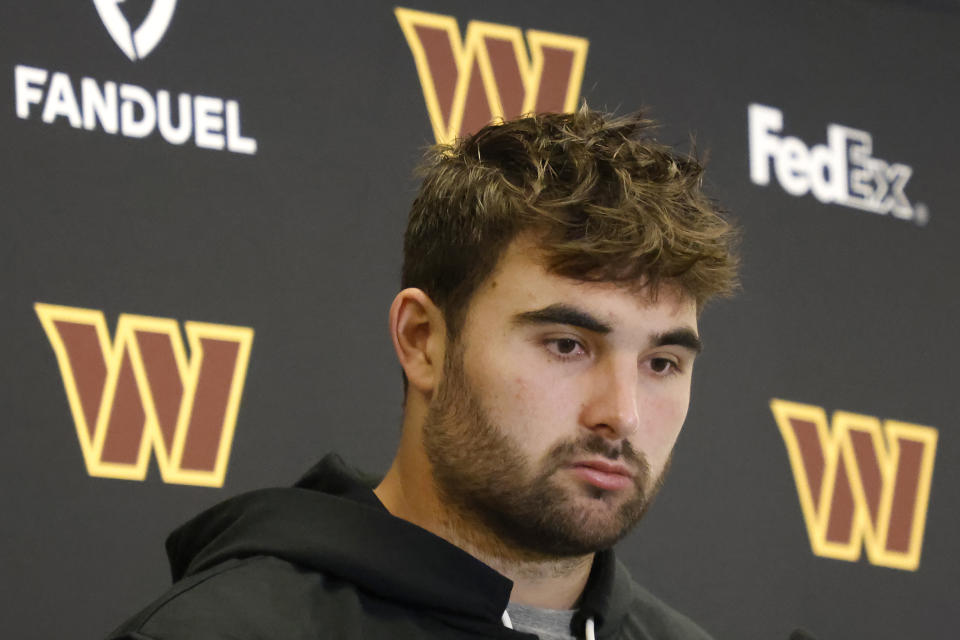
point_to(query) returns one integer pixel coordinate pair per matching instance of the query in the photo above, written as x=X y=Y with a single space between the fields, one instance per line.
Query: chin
x=591 y=521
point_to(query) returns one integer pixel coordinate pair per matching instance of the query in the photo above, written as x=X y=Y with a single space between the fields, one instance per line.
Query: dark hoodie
x=325 y=559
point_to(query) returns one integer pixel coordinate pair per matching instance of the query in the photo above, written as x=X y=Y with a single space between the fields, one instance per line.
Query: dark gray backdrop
x=841 y=308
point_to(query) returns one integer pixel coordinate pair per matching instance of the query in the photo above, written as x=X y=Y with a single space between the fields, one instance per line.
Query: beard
x=483 y=476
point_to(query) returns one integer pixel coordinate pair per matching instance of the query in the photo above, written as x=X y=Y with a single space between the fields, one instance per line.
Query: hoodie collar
x=331 y=521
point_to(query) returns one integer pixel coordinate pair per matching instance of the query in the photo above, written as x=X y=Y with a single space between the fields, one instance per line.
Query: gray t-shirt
x=547 y=624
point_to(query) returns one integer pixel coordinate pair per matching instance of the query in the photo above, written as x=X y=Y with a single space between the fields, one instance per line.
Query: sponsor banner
x=127 y=109
x=492 y=73
x=862 y=482
x=141 y=392
x=843 y=171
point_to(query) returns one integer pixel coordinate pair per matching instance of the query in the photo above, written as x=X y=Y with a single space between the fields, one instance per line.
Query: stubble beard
x=483 y=477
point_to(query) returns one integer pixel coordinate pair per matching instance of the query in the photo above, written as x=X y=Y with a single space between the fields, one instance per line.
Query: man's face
x=559 y=406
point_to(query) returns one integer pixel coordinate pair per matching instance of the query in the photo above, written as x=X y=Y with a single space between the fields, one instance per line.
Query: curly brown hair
x=604 y=200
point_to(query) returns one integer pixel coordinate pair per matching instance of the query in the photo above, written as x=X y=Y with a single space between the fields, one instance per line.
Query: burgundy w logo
x=490 y=75
x=141 y=392
x=861 y=483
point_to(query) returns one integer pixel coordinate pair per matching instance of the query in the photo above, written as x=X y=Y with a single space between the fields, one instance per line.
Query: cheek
x=528 y=408
x=660 y=424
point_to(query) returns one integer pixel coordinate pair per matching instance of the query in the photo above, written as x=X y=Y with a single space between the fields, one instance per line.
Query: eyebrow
x=575 y=317
x=686 y=338
x=563 y=314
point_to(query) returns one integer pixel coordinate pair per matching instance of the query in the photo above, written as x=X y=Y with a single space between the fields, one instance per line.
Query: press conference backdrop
x=202 y=210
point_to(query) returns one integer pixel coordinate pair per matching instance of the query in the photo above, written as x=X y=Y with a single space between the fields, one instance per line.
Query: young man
x=554 y=270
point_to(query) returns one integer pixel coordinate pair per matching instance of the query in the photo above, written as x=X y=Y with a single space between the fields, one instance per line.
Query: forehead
x=520 y=282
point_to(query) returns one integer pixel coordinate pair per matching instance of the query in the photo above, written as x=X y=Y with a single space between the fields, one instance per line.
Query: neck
x=538 y=580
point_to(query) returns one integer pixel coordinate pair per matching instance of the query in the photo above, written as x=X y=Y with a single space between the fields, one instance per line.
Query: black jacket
x=324 y=559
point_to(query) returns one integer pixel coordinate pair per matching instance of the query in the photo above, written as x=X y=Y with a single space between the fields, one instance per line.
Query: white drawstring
x=507 y=622
x=588 y=631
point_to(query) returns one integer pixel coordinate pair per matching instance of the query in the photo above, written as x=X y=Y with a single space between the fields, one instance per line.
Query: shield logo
x=136 y=43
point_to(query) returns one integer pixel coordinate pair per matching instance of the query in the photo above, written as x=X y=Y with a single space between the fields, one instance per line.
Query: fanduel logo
x=141 y=392
x=491 y=73
x=127 y=109
x=136 y=44
x=861 y=482
x=130 y=110
x=843 y=171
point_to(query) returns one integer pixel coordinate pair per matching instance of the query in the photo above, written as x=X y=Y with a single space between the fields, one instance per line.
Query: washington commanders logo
x=861 y=482
x=136 y=43
x=492 y=73
x=141 y=392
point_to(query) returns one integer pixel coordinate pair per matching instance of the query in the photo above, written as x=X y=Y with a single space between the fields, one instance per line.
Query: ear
x=419 y=335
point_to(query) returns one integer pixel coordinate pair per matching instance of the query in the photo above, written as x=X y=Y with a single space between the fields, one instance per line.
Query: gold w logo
x=861 y=483
x=142 y=392
x=489 y=75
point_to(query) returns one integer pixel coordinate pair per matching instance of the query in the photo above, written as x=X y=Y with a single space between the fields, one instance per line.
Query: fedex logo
x=842 y=171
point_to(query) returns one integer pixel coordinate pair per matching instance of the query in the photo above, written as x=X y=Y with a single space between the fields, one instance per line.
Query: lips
x=603 y=474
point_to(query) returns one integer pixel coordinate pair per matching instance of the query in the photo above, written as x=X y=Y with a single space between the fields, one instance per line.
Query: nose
x=611 y=404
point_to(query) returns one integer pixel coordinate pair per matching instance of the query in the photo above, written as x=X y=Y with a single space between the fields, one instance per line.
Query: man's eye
x=664 y=366
x=565 y=346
